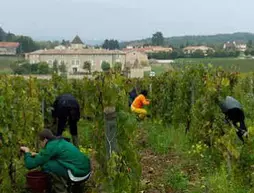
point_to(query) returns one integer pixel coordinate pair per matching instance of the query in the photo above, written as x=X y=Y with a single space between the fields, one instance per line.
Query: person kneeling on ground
x=139 y=102
x=61 y=159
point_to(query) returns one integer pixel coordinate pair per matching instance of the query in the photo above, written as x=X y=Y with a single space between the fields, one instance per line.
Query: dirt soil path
x=153 y=169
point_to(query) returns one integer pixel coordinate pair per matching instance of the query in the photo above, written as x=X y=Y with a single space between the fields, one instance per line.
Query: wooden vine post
x=110 y=130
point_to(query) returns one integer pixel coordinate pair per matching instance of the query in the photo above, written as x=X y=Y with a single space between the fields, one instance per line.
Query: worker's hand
x=34 y=154
x=25 y=149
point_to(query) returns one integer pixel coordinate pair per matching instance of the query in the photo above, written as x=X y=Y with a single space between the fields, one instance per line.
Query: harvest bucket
x=37 y=182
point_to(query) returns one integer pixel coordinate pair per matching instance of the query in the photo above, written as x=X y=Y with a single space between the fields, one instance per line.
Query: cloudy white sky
x=124 y=19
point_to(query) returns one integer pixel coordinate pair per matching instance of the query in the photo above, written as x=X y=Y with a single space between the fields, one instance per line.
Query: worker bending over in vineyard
x=63 y=161
x=233 y=112
x=66 y=108
x=139 y=102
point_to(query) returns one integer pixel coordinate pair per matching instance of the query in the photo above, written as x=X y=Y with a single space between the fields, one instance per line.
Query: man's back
x=70 y=157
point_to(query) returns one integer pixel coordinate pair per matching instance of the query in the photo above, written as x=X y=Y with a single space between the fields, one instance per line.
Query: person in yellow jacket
x=139 y=102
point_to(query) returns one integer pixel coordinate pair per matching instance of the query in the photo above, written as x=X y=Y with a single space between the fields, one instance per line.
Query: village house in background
x=191 y=49
x=240 y=46
x=75 y=56
x=8 y=48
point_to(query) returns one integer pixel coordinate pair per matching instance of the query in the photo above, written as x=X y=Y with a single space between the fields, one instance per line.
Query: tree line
x=178 y=53
x=214 y=41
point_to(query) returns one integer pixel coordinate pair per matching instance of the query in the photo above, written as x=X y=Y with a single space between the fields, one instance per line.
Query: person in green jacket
x=61 y=159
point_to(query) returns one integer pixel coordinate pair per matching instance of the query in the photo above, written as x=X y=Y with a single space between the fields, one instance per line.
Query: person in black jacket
x=234 y=112
x=66 y=108
x=132 y=95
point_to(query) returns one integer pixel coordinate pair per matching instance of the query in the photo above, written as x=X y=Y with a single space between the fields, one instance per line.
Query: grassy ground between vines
x=169 y=167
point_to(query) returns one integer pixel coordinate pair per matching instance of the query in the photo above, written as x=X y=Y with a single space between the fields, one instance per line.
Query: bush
x=118 y=66
x=105 y=66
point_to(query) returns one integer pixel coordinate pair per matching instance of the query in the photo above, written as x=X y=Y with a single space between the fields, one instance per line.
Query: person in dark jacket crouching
x=66 y=108
x=61 y=159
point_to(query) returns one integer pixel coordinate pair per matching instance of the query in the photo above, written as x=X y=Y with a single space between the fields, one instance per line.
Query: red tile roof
x=9 y=44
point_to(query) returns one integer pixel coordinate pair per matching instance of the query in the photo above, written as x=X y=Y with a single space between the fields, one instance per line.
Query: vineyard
x=185 y=147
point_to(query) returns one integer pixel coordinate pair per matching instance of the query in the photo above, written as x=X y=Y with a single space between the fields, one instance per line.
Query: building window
x=50 y=62
x=73 y=62
x=75 y=70
x=77 y=62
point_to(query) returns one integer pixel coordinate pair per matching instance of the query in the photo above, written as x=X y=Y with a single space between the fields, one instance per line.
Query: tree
x=34 y=68
x=158 y=39
x=198 y=54
x=24 y=68
x=55 y=66
x=105 y=66
x=210 y=53
x=43 y=68
x=247 y=52
x=111 y=44
x=174 y=55
x=62 y=67
x=10 y=37
x=249 y=44
x=2 y=34
x=27 y=44
x=118 y=66
x=87 y=66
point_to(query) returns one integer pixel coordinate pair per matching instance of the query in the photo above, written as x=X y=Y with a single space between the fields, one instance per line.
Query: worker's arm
x=145 y=101
x=40 y=159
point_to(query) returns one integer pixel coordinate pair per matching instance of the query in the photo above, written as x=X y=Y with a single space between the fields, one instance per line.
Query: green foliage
x=62 y=67
x=158 y=39
x=164 y=139
x=27 y=44
x=87 y=66
x=176 y=179
x=216 y=40
x=111 y=44
x=55 y=66
x=26 y=68
x=198 y=54
x=117 y=66
x=105 y=66
x=187 y=100
x=219 y=182
x=21 y=120
x=228 y=64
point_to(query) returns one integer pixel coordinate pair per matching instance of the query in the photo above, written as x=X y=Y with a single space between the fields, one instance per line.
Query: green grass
x=242 y=65
x=164 y=139
x=234 y=64
x=5 y=62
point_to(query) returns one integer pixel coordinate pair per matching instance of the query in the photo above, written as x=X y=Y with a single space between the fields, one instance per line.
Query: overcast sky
x=124 y=19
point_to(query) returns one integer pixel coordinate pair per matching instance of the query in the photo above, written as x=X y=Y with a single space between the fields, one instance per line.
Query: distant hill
x=214 y=40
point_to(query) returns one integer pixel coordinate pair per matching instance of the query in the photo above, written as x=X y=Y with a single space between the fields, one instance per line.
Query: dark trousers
x=61 y=123
x=62 y=185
